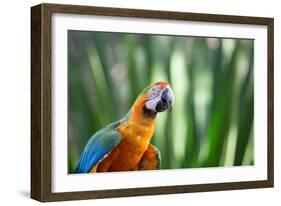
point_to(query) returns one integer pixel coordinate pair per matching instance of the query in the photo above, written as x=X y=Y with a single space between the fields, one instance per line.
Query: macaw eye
x=154 y=92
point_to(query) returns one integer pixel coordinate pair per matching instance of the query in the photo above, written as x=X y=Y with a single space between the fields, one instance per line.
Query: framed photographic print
x=130 y=102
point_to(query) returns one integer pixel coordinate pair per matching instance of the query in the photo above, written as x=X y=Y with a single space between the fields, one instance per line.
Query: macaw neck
x=140 y=115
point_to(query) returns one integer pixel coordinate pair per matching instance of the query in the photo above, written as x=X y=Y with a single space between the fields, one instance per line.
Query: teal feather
x=100 y=144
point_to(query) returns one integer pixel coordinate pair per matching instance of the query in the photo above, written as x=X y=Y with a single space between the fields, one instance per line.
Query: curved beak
x=167 y=100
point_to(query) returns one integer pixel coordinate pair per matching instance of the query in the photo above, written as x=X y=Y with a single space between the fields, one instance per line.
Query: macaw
x=124 y=145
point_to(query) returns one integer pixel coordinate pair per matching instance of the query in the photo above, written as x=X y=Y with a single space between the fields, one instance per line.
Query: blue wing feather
x=100 y=144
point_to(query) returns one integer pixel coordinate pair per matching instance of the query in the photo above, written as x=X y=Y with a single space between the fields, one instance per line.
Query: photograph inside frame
x=149 y=102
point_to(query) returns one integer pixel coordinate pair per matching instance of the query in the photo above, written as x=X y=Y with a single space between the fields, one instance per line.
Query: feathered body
x=125 y=145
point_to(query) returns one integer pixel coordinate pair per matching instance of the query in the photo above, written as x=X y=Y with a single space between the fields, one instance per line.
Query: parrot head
x=159 y=97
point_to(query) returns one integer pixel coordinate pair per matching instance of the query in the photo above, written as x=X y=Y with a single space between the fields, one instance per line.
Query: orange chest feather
x=137 y=137
x=126 y=156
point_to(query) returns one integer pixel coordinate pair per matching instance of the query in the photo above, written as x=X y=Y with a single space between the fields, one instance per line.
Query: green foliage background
x=212 y=78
